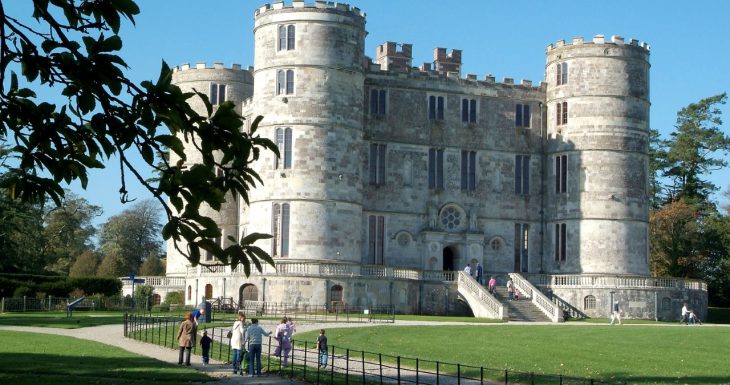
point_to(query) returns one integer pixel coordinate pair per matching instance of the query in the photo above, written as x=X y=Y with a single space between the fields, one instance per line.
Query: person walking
x=467 y=269
x=283 y=336
x=205 y=344
x=492 y=284
x=322 y=349
x=254 y=334
x=510 y=288
x=616 y=313
x=480 y=274
x=685 y=315
x=236 y=340
x=185 y=338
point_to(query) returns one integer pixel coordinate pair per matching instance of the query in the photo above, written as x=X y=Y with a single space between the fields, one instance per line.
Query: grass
x=31 y=359
x=406 y=317
x=636 y=354
x=59 y=319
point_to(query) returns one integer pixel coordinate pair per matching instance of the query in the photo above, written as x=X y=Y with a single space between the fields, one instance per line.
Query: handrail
x=615 y=281
x=468 y=284
x=552 y=310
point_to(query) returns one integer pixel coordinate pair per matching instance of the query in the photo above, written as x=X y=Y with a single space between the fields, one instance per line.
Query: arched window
x=666 y=304
x=280 y=230
x=282 y=37
x=589 y=302
x=285 y=37
x=156 y=299
x=290 y=83
x=285 y=82
x=336 y=293
x=208 y=291
x=284 y=142
x=561 y=70
x=190 y=292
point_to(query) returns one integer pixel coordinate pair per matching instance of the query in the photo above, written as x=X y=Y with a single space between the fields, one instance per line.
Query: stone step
x=520 y=310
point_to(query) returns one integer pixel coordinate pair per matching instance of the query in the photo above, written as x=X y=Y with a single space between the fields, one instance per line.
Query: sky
x=690 y=47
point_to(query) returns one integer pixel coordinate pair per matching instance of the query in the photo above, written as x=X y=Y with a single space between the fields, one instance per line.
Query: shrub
x=175 y=297
x=23 y=291
x=95 y=285
x=163 y=307
x=56 y=289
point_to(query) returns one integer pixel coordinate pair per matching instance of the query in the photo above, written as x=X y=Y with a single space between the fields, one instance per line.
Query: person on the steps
x=510 y=288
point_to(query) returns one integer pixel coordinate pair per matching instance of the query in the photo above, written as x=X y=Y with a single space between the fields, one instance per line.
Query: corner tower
x=220 y=84
x=308 y=85
x=597 y=157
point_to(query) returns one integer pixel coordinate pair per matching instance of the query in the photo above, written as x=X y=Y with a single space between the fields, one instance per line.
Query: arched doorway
x=336 y=293
x=248 y=292
x=449 y=259
x=190 y=292
x=156 y=299
x=208 y=291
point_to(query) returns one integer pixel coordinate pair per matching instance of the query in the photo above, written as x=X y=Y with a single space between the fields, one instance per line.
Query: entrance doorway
x=448 y=258
x=248 y=292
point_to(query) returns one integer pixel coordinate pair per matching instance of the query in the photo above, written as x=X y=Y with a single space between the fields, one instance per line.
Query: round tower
x=597 y=157
x=309 y=87
x=220 y=84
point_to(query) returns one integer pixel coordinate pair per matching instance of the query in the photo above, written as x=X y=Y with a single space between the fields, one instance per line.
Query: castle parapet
x=344 y=8
x=444 y=63
x=599 y=39
x=391 y=59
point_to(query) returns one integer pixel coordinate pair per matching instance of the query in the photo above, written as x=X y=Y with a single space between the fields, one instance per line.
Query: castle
x=392 y=178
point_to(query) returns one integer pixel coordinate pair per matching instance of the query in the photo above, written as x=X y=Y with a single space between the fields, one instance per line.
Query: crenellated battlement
x=599 y=39
x=344 y=8
x=426 y=73
x=213 y=66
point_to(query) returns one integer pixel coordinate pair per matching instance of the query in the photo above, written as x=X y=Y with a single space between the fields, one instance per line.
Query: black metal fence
x=348 y=366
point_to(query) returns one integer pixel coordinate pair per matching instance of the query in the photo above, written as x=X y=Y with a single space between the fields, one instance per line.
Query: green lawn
x=32 y=359
x=59 y=319
x=636 y=354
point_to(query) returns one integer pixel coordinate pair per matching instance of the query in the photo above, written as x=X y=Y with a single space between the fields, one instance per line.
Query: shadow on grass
x=60 y=320
x=57 y=369
x=705 y=379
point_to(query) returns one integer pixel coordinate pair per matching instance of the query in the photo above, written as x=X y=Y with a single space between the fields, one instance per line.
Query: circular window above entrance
x=452 y=218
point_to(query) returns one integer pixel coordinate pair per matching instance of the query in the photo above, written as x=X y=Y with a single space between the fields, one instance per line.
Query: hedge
x=57 y=286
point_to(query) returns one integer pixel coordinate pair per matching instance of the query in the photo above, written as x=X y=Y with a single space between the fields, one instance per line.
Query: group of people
x=186 y=336
x=689 y=317
x=246 y=340
x=478 y=274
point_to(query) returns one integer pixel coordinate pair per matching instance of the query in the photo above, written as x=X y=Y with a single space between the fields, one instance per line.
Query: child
x=205 y=344
x=322 y=349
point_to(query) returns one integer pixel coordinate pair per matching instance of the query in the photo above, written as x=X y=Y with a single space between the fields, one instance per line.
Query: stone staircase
x=522 y=309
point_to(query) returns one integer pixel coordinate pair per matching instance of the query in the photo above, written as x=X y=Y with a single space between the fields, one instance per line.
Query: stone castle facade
x=392 y=177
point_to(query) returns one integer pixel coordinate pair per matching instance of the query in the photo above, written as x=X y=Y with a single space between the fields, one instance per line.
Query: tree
x=85 y=265
x=72 y=50
x=151 y=266
x=691 y=152
x=68 y=231
x=112 y=266
x=21 y=242
x=676 y=240
x=132 y=235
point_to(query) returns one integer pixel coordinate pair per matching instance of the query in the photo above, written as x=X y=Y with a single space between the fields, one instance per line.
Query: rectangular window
x=377 y=164
x=435 y=168
x=561 y=174
x=377 y=102
x=560 y=239
x=561 y=70
x=522 y=231
x=522 y=115
x=522 y=174
x=376 y=235
x=561 y=116
x=285 y=41
x=285 y=82
x=468 y=170
x=217 y=94
x=436 y=105
x=208 y=254
x=284 y=142
x=280 y=230
x=469 y=110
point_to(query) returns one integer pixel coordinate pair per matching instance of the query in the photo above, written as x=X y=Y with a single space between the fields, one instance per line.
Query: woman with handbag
x=236 y=338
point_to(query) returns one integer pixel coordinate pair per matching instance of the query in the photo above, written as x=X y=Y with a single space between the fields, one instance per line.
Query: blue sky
x=690 y=46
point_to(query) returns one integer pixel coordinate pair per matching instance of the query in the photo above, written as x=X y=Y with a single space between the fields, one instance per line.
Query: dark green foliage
x=74 y=52
x=96 y=285
x=175 y=297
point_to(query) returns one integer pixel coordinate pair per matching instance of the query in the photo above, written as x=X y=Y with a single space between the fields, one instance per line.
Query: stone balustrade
x=481 y=302
x=614 y=281
x=552 y=310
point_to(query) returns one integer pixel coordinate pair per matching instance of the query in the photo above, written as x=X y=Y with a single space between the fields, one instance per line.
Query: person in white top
x=467 y=269
x=237 y=332
x=685 y=315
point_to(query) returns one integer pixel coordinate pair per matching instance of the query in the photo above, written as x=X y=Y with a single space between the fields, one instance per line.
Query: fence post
x=506 y=377
x=380 y=364
x=437 y=373
x=347 y=366
x=268 y=358
x=2 y=306
x=291 y=363
x=397 y=360
x=50 y=297
x=362 y=355
x=481 y=375
x=125 y=324
x=458 y=374
x=332 y=366
x=305 y=361
x=416 y=371
x=24 y=298
x=561 y=379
